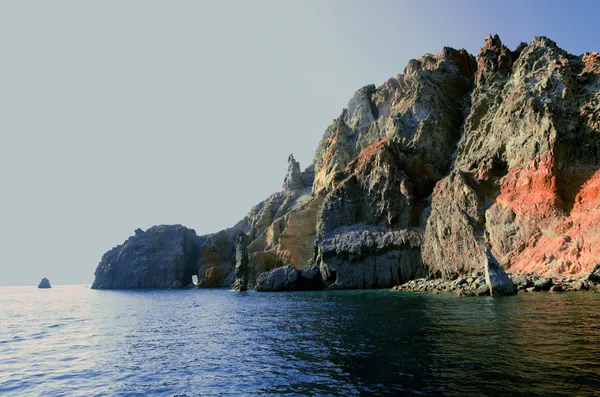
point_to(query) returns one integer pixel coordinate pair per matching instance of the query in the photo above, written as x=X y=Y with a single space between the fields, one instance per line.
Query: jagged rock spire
x=241 y=266
x=293 y=179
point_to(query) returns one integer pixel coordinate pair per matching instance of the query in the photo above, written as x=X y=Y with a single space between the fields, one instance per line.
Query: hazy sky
x=124 y=114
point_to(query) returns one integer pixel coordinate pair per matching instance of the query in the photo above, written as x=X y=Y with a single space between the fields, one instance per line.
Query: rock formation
x=288 y=278
x=454 y=240
x=45 y=283
x=532 y=141
x=241 y=266
x=156 y=258
x=497 y=280
x=369 y=257
x=460 y=165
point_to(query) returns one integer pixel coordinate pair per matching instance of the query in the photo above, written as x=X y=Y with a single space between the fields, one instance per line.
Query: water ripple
x=73 y=341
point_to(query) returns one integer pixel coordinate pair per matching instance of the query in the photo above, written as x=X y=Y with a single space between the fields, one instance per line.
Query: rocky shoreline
x=460 y=165
x=474 y=284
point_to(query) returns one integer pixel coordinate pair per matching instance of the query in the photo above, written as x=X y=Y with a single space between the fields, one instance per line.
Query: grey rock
x=288 y=278
x=464 y=292
x=594 y=275
x=308 y=176
x=422 y=109
x=453 y=243
x=241 y=267
x=310 y=273
x=279 y=279
x=293 y=179
x=556 y=288
x=45 y=283
x=521 y=281
x=591 y=285
x=363 y=256
x=150 y=259
x=496 y=279
x=176 y=285
x=543 y=284
x=218 y=252
x=483 y=290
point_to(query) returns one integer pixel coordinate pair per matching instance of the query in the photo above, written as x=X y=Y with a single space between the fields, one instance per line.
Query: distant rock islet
x=45 y=283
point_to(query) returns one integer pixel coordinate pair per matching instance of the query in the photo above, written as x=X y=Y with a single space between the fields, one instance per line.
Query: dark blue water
x=74 y=341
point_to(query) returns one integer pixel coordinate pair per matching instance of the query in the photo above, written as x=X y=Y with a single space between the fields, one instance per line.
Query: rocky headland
x=441 y=179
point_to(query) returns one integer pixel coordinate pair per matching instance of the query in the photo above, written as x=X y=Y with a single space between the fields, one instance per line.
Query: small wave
x=39 y=335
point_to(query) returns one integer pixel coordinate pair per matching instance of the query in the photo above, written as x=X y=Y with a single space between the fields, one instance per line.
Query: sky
x=124 y=114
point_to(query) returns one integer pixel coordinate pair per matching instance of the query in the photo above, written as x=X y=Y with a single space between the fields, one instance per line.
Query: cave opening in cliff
x=190 y=269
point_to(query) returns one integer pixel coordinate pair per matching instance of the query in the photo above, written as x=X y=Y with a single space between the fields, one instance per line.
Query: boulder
x=464 y=292
x=279 y=279
x=594 y=275
x=543 y=284
x=288 y=278
x=496 y=279
x=521 y=281
x=45 y=283
x=483 y=290
x=556 y=288
x=176 y=285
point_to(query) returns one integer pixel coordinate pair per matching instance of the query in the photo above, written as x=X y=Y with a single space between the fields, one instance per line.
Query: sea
x=74 y=341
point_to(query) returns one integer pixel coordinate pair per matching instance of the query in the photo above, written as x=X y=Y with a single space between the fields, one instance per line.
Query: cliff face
x=454 y=164
x=532 y=141
x=157 y=258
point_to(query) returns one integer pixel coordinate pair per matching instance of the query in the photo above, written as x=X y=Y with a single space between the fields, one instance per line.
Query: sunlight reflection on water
x=76 y=341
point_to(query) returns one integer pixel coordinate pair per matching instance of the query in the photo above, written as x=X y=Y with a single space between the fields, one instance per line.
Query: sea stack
x=45 y=283
x=241 y=268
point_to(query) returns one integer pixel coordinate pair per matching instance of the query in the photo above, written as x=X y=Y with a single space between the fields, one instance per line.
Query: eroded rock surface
x=455 y=161
x=454 y=241
x=241 y=266
x=155 y=258
x=532 y=140
x=496 y=279
x=364 y=256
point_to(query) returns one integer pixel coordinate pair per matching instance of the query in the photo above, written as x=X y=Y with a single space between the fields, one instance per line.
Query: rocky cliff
x=456 y=163
x=160 y=257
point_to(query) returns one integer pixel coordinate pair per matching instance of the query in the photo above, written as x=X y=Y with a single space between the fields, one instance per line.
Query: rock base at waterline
x=475 y=284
